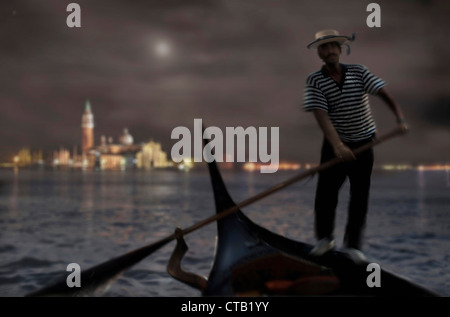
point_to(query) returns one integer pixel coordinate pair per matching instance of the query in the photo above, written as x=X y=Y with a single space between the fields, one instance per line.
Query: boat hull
x=242 y=243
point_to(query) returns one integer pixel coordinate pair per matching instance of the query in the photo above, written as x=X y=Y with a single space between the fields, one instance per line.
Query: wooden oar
x=290 y=181
x=102 y=274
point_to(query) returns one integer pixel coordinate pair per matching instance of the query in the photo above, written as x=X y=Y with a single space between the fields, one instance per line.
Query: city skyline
x=87 y=144
x=105 y=154
x=156 y=66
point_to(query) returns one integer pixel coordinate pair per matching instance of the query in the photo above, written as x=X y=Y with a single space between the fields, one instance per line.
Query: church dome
x=126 y=138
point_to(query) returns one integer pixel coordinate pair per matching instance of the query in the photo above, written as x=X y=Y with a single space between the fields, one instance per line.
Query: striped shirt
x=347 y=103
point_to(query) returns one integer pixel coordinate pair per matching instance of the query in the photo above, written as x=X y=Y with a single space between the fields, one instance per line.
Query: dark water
x=49 y=219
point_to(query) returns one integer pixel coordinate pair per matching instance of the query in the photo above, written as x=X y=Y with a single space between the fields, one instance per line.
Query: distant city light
x=436 y=167
x=396 y=167
x=281 y=166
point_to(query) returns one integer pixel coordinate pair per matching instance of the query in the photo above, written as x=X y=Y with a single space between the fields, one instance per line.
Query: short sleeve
x=372 y=84
x=314 y=98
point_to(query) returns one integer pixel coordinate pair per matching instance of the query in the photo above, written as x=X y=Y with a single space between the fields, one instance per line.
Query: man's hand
x=344 y=152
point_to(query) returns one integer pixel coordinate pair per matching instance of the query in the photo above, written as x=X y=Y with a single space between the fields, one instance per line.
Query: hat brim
x=327 y=39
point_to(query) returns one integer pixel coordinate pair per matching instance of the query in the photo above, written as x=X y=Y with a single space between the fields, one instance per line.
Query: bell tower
x=87 y=127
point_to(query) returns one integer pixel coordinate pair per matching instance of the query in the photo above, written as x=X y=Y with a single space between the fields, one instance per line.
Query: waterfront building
x=151 y=156
x=122 y=155
x=61 y=157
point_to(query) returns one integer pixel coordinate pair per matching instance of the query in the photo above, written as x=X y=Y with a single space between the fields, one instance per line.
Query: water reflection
x=87 y=206
x=90 y=217
x=13 y=198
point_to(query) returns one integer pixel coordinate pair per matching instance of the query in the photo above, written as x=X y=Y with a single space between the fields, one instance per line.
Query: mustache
x=331 y=54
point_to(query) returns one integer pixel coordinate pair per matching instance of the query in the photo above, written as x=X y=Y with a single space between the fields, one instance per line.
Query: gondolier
x=250 y=260
x=337 y=95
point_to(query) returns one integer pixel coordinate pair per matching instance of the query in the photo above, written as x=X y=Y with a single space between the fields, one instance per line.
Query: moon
x=163 y=49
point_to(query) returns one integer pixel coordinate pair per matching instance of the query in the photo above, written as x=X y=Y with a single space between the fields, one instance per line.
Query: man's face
x=329 y=52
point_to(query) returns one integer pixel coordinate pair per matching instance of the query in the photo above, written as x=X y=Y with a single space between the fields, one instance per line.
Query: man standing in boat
x=337 y=95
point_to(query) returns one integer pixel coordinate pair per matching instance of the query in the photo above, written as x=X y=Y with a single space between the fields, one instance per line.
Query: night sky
x=151 y=66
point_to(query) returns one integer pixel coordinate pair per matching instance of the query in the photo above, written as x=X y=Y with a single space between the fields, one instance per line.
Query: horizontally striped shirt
x=347 y=103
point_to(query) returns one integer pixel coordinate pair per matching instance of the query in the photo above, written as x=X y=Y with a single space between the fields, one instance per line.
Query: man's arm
x=395 y=108
x=340 y=149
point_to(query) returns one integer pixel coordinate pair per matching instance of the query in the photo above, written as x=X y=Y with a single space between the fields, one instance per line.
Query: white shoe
x=355 y=255
x=323 y=246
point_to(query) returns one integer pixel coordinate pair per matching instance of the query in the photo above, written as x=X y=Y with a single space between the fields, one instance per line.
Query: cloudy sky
x=151 y=66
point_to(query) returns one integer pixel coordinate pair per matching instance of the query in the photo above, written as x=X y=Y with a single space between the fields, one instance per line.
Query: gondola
x=251 y=260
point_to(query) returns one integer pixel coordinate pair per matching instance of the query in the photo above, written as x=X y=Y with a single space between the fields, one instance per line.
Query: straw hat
x=326 y=36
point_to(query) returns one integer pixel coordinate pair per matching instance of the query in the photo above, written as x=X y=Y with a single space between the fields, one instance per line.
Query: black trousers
x=327 y=192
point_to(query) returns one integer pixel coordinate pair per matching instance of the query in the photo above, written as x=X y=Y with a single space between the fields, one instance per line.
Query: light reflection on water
x=52 y=218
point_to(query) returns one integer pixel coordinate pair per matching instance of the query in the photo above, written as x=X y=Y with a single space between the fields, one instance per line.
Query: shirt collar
x=325 y=72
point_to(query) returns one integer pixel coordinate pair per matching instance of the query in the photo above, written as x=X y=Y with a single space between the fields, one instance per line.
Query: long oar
x=99 y=275
x=290 y=181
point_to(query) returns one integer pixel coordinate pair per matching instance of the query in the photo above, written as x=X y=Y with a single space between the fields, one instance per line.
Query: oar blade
x=100 y=275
